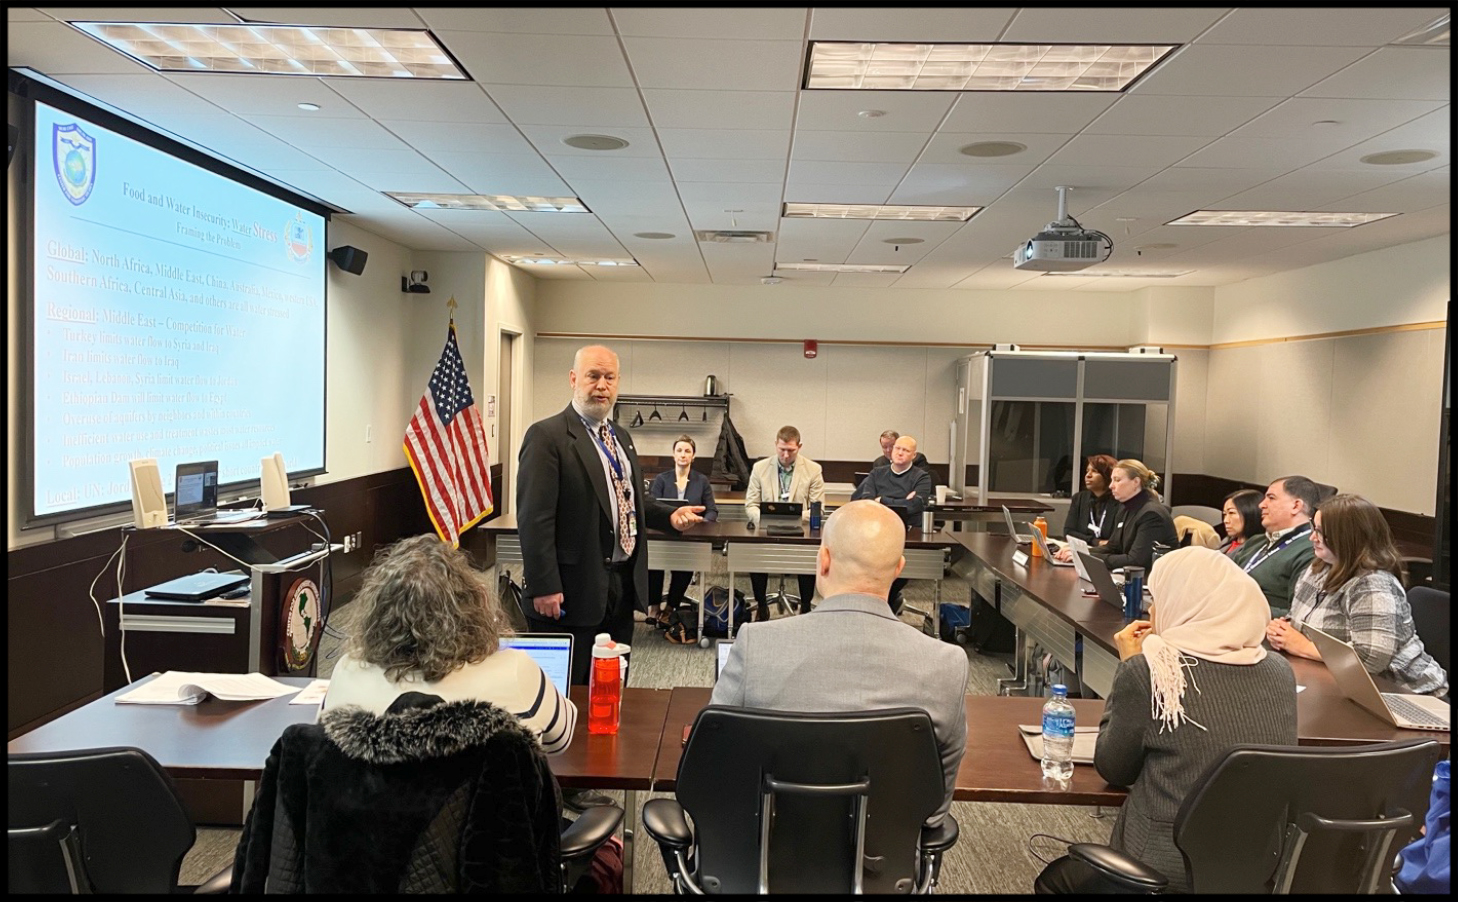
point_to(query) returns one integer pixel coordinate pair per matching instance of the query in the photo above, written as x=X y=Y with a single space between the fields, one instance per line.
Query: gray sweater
x=886 y=486
x=1236 y=704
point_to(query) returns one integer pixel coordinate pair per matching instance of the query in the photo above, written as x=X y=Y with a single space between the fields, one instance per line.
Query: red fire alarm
x=812 y=348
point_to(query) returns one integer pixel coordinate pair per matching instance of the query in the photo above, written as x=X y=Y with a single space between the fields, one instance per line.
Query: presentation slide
x=177 y=314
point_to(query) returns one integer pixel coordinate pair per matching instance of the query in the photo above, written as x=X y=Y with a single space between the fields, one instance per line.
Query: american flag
x=446 y=445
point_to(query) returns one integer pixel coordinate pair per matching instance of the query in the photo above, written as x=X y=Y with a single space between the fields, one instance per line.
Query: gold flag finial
x=451 y=304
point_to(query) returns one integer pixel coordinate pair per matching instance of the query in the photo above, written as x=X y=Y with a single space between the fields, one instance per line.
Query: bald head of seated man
x=851 y=653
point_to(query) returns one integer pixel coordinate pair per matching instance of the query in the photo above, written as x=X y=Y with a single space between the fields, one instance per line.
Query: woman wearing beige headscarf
x=1193 y=681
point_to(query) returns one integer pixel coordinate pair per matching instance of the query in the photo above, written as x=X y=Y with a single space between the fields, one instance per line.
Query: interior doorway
x=503 y=452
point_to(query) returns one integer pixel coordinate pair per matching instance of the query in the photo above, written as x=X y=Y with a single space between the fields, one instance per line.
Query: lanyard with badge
x=1097 y=528
x=1267 y=552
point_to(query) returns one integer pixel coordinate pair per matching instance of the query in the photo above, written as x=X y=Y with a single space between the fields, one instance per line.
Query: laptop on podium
x=195 y=496
x=1403 y=710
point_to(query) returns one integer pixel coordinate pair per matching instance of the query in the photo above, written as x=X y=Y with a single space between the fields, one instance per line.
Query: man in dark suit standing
x=581 y=512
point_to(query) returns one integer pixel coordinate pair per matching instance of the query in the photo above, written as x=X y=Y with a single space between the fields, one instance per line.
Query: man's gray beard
x=595 y=410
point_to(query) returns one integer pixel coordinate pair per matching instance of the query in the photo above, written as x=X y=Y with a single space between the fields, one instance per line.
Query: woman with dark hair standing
x=686 y=484
x=429 y=622
x=1354 y=591
x=1241 y=514
x=1141 y=520
x=1092 y=512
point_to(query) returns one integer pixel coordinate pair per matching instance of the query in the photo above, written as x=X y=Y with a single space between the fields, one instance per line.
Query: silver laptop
x=551 y=651
x=723 y=646
x=198 y=586
x=1012 y=528
x=195 y=496
x=1048 y=547
x=1078 y=546
x=1102 y=579
x=1407 y=711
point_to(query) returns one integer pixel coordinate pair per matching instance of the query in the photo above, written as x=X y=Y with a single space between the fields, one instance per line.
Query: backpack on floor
x=952 y=622
x=716 y=611
x=683 y=625
x=988 y=630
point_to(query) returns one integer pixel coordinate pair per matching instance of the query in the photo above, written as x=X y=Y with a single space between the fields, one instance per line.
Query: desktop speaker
x=350 y=259
x=274 y=484
x=149 y=503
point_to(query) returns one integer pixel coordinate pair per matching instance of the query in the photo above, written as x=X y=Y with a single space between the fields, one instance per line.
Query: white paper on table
x=179 y=687
x=312 y=694
x=1300 y=688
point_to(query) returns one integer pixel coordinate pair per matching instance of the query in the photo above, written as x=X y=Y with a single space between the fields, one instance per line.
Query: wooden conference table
x=1047 y=605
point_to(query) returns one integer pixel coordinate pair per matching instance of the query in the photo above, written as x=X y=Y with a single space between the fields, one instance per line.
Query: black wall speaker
x=350 y=259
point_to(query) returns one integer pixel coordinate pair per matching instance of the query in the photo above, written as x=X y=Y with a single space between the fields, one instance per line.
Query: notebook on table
x=197 y=587
x=1406 y=711
x=551 y=651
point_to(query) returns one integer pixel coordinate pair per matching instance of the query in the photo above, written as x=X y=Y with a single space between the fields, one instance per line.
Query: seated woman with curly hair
x=431 y=623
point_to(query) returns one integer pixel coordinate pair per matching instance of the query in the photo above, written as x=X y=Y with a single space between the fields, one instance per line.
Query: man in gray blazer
x=851 y=653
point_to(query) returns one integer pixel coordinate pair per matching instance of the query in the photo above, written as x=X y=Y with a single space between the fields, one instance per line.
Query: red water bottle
x=605 y=685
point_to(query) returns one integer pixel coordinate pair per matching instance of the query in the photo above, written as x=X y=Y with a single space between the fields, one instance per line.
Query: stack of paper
x=178 y=687
x=1084 y=739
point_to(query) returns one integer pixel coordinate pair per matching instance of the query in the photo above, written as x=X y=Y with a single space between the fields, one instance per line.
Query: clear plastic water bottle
x=1058 y=735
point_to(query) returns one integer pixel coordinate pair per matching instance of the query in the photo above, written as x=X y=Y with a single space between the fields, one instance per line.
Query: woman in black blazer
x=693 y=487
x=1093 y=512
x=1141 y=520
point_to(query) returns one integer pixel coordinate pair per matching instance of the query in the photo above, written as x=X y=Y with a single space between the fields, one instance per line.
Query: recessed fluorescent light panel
x=563 y=261
x=503 y=203
x=842 y=267
x=1121 y=274
x=848 y=65
x=278 y=49
x=1276 y=218
x=879 y=211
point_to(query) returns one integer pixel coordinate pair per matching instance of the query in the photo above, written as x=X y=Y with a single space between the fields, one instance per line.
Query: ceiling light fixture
x=564 y=261
x=852 y=65
x=902 y=240
x=1121 y=274
x=503 y=203
x=878 y=211
x=309 y=107
x=992 y=149
x=656 y=236
x=1397 y=157
x=1276 y=218
x=843 y=267
x=256 y=49
x=594 y=142
x=871 y=114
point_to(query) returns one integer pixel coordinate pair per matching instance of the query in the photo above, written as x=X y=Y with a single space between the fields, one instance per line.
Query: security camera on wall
x=415 y=282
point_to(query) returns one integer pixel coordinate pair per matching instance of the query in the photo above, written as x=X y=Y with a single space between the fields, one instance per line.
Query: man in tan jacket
x=788 y=476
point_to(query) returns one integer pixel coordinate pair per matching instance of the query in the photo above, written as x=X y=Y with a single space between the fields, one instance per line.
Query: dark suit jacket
x=564 y=515
x=698 y=491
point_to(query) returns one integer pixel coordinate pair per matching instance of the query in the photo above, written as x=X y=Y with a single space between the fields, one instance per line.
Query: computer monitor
x=195 y=492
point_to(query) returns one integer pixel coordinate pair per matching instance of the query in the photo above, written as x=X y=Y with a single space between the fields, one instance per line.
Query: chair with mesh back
x=1291 y=819
x=94 y=821
x=1431 y=618
x=793 y=802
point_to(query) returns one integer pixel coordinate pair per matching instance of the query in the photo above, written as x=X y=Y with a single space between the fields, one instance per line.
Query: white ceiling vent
x=733 y=236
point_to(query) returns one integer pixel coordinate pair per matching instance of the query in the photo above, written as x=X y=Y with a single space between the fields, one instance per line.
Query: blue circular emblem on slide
x=74 y=157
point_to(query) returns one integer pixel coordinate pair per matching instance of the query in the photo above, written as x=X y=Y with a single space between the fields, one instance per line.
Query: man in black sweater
x=888 y=441
x=901 y=485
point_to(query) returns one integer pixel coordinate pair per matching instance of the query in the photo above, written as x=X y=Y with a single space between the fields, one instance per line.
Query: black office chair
x=1291 y=819
x=1431 y=618
x=94 y=821
x=791 y=802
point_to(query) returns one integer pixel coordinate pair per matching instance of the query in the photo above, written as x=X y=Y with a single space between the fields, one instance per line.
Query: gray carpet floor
x=992 y=855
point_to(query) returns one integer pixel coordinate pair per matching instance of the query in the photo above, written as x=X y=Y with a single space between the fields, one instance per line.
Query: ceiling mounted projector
x=1063 y=245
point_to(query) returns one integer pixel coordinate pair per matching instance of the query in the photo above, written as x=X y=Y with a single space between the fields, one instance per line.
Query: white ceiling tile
x=839 y=193
x=620 y=198
x=549 y=140
x=1418 y=192
x=995 y=276
x=353 y=159
x=851 y=147
x=148 y=97
x=793 y=279
x=527 y=20
x=552 y=105
x=741 y=259
x=1246 y=71
x=57 y=49
x=605 y=166
x=501 y=174
x=714 y=65
x=731 y=194
x=865 y=279
x=690 y=170
x=978 y=184
x=1126 y=150
x=1351 y=27
x=536 y=59
x=1237 y=152
x=905 y=111
x=1431 y=132
x=1307 y=189
x=876 y=23
x=1392 y=73
x=818 y=240
x=1051 y=112
x=737 y=23
x=720 y=144
x=413 y=99
x=713 y=214
x=945 y=147
x=1355 y=120
x=274 y=154
x=199 y=14
x=418 y=234
x=815 y=172
x=618 y=274
x=314 y=132
x=346 y=17
x=453 y=136
x=256 y=95
x=759 y=110
x=334 y=188
x=418 y=182
x=1157 y=114
x=219 y=132
x=25 y=14
x=1105 y=25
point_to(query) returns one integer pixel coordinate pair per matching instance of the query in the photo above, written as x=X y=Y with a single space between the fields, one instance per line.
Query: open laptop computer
x=198 y=586
x=782 y=518
x=1400 y=709
x=551 y=651
x=1078 y=545
x=1021 y=538
x=1047 y=546
x=1104 y=585
x=195 y=496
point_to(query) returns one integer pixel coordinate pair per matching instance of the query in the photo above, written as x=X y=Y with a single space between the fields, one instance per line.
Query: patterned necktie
x=620 y=488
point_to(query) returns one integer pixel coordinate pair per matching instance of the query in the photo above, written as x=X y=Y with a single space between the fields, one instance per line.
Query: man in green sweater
x=1278 y=558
